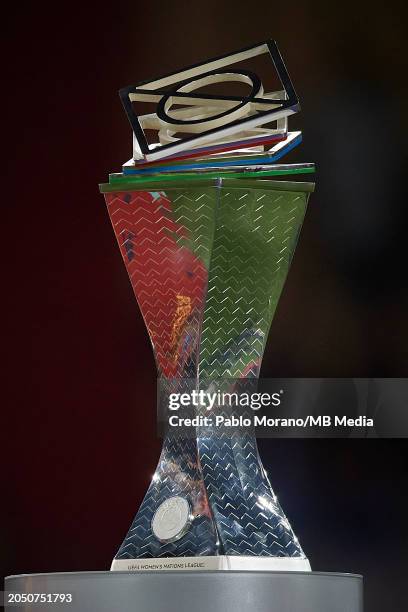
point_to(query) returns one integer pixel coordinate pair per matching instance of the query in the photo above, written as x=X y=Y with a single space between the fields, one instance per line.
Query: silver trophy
x=207 y=263
x=207 y=223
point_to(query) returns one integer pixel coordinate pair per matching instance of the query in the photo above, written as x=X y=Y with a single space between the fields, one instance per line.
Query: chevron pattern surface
x=207 y=266
x=254 y=240
x=166 y=246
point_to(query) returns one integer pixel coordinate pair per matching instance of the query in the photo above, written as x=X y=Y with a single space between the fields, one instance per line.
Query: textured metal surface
x=207 y=267
x=254 y=240
x=166 y=247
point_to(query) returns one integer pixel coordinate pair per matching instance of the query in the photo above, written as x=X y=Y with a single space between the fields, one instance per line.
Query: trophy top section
x=221 y=102
x=220 y=119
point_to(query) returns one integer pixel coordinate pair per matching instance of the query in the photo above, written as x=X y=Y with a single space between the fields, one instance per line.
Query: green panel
x=200 y=181
x=255 y=237
x=118 y=178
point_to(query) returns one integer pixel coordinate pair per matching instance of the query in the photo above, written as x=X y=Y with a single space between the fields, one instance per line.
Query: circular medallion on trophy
x=171 y=519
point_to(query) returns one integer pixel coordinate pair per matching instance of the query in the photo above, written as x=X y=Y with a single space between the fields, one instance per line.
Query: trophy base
x=220 y=562
x=231 y=591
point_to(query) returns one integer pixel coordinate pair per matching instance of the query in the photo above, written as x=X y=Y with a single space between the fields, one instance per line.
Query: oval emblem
x=171 y=519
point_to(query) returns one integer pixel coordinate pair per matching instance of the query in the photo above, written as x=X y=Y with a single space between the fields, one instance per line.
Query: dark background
x=79 y=385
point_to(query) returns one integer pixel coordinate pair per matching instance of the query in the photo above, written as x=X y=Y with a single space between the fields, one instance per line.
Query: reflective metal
x=207 y=265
